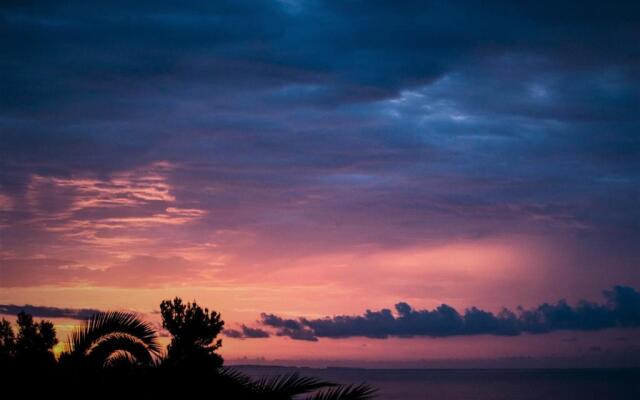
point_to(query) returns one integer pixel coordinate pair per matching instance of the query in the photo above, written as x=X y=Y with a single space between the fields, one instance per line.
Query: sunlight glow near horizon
x=239 y=280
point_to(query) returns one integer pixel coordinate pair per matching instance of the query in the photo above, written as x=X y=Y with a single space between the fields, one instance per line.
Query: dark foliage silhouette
x=117 y=354
x=31 y=347
x=349 y=392
x=286 y=386
x=194 y=331
x=112 y=337
x=7 y=341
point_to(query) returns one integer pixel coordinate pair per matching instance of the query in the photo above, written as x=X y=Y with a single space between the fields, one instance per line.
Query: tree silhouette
x=194 y=331
x=112 y=337
x=31 y=348
x=7 y=342
x=35 y=341
x=107 y=342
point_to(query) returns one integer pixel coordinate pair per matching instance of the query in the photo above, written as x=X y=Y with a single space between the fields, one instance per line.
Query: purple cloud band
x=621 y=309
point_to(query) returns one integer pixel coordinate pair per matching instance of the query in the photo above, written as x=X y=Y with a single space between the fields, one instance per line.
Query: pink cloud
x=136 y=271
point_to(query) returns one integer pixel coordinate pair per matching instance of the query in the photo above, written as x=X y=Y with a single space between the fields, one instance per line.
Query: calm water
x=534 y=384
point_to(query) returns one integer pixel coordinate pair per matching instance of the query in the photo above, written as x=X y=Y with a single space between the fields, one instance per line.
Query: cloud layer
x=621 y=309
x=48 y=312
x=271 y=118
x=246 y=332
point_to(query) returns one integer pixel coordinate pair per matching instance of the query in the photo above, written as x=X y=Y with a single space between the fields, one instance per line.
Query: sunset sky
x=286 y=161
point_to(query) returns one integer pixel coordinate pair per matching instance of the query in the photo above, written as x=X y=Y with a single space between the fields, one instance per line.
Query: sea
x=478 y=384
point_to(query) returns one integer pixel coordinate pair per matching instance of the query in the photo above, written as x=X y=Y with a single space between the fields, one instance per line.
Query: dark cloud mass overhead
x=287 y=99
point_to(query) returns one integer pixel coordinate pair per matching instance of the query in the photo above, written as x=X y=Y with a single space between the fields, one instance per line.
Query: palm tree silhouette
x=112 y=337
x=112 y=350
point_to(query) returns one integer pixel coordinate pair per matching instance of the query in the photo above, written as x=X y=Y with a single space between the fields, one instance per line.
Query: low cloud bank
x=620 y=309
x=48 y=312
x=246 y=332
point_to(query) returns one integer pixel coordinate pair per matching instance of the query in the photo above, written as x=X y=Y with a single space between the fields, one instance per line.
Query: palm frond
x=119 y=358
x=101 y=325
x=118 y=343
x=349 y=392
x=289 y=385
x=235 y=377
x=235 y=382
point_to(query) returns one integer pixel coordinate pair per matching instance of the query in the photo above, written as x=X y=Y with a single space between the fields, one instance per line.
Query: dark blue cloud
x=48 y=312
x=621 y=309
x=246 y=332
x=288 y=327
